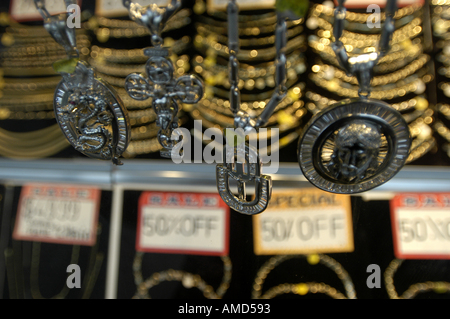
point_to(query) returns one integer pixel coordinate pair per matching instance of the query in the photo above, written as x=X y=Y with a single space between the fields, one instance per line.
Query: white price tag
x=25 y=10
x=421 y=225
x=115 y=8
x=303 y=222
x=362 y=4
x=187 y=223
x=63 y=214
x=221 y=5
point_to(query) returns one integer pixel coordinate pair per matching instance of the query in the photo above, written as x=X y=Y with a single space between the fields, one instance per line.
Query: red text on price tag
x=63 y=214
x=421 y=225
x=185 y=223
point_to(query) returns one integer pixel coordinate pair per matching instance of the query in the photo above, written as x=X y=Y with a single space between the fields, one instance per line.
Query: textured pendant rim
x=121 y=124
x=349 y=110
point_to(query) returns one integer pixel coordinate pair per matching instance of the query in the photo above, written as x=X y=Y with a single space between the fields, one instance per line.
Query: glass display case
x=75 y=225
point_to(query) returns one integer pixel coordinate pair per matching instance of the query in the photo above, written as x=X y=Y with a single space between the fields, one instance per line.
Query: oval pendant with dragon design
x=354 y=146
x=93 y=119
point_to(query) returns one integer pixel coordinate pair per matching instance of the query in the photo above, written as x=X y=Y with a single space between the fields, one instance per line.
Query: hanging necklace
x=159 y=83
x=241 y=162
x=88 y=110
x=356 y=144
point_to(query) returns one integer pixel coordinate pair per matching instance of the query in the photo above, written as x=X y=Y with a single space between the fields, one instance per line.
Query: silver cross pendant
x=159 y=83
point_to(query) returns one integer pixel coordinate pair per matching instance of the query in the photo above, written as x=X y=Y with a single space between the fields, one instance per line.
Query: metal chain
x=159 y=82
x=57 y=27
x=155 y=21
x=362 y=66
x=242 y=119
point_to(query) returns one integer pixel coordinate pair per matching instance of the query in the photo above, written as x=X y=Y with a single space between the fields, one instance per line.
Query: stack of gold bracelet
x=400 y=78
x=28 y=86
x=115 y=64
x=257 y=68
x=440 y=16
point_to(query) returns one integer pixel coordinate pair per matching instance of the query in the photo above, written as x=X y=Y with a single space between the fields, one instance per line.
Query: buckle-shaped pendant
x=242 y=164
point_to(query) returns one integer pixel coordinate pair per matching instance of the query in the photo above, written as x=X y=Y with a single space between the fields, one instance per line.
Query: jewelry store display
x=437 y=287
x=349 y=91
x=88 y=110
x=187 y=279
x=159 y=82
x=303 y=288
x=360 y=143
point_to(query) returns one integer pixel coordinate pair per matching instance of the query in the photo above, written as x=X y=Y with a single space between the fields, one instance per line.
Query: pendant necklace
x=357 y=144
x=88 y=110
x=241 y=161
x=159 y=83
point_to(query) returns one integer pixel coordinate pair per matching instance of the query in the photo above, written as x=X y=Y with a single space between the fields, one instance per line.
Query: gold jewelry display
x=303 y=288
x=105 y=28
x=413 y=290
x=256 y=74
x=187 y=279
x=440 y=20
x=28 y=82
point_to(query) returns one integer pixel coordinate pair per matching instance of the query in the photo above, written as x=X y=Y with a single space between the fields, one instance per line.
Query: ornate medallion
x=92 y=117
x=354 y=146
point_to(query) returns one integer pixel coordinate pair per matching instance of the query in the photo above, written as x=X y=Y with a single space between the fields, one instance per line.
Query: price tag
x=421 y=225
x=115 y=8
x=221 y=5
x=25 y=10
x=304 y=221
x=186 y=223
x=62 y=214
x=362 y=4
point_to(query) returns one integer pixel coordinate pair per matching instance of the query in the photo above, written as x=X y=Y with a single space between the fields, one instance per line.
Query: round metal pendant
x=93 y=118
x=354 y=146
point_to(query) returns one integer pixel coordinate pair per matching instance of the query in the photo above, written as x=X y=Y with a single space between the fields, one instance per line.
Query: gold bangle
x=321 y=102
x=203 y=44
x=350 y=16
x=32 y=145
x=187 y=279
x=413 y=290
x=397 y=58
x=300 y=288
x=405 y=87
x=324 y=71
